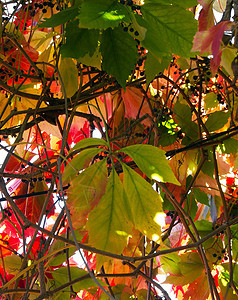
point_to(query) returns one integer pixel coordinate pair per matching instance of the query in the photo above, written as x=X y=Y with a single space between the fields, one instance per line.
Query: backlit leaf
x=119 y=54
x=217 y=120
x=108 y=223
x=145 y=204
x=154 y=65
x=78 y=163
x=85 y=191
x=166 y=33
x=60 y=277
x=152 y=162
x=102 y=14
x=69 y=74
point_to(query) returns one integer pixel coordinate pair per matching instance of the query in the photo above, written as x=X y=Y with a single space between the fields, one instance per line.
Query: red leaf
x=206 y=17
x=31 y=206
x=134 y=100
x=210 y=41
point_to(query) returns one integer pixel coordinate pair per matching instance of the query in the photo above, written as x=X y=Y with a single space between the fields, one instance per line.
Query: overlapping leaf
x=119 y=54
x=170 y=28
x=108 y=223
x=152 y=162
x=102 y=14
x=79 y=41
x=145 y=204
x=85 y=191
x=69 y=75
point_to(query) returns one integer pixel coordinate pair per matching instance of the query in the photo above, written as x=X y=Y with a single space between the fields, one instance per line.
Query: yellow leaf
x=69 y=74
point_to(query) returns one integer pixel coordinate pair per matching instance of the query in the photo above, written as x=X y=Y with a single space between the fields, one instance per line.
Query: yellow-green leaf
x=108 y=224
x=89 y=142
x=69 y=75
x=145 y=204
x=85 y=191
x=152 y=161
x=78 y=163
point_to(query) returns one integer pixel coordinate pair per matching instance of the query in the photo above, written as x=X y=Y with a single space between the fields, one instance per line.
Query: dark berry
x=125 y=29
x=131 y=29
x=214 y=255
x=136 y=33
x=44 y=10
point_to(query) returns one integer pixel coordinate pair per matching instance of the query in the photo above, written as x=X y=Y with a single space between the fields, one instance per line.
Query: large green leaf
x=69 y=75
x=217 y=120
x=60 y=18
x=145 y=204
x=119 y=54
x=152 y=161
x=85 y=191
x=102 y=14
x=79 y=41
x=108 y=222
x=78 y=163
x=170 y=29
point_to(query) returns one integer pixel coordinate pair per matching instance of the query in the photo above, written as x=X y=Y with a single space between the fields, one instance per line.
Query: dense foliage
x=118 y=124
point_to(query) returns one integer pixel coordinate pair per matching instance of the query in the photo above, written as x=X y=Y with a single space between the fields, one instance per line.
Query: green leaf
x=108 y=223
x=183 y=116
x=60 y=276
x=89 y=142
x=216 y=120
x=230 y=146
x=102 y=14
x=154 y=65
x=60 y=18
x=171 y=263
x=211 y=100
x=85 y=191
x=69 y=75
x=145 y=204
x=201 y=196
x=92 y=61
x=190 y=267
x=152 y=161
x=79 y=41
x=228 y=55
x=119 y=54
x=170 y=29
x=190 y=206
x=79 y=162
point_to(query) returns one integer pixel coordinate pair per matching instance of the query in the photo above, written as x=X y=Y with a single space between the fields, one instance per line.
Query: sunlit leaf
x=108 y=222
x=217 y=120
x=69 y=74
x=60 y=276
x=85 y=191
x=152 y=161
x=168 y=35
x=78 y=163
x=102 y=14
x=145 y=204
